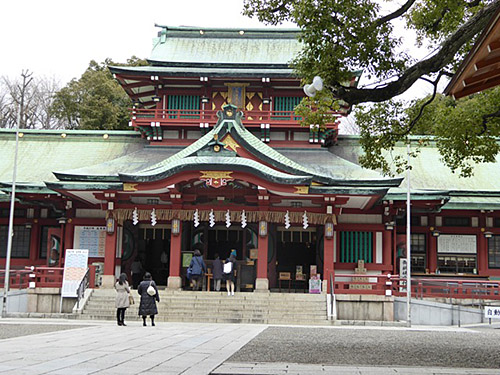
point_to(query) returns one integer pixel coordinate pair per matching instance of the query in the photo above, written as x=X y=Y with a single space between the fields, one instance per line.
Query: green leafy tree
x=344 y=36
x=95 y=100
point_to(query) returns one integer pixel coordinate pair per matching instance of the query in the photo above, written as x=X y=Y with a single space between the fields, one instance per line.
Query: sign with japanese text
x=75 y=267
x=492 y=312
x=457 y=244
x=92 y=238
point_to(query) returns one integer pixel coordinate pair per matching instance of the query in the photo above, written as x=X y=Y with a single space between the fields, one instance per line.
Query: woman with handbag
x=122 y=298
x=149 y=296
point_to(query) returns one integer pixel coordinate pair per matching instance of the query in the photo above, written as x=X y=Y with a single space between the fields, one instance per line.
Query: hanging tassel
x=196 y=218
x=243 y=219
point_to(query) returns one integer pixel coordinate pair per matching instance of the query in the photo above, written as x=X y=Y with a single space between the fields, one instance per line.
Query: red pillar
x=432 y=253
x=174 y=281
x=482 y=255
x=387 y=250
x=328 y=264
x=110 y=254
x=262 y=282
x=34 y=243
x=175 y=253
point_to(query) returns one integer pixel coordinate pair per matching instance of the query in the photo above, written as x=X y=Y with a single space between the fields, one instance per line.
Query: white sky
x=59 y=37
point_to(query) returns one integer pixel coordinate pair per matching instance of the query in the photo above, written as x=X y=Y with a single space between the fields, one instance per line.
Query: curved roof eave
x=195 y=163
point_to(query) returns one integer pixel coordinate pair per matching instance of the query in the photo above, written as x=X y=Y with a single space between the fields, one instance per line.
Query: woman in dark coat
x=147 y=305
x=217 y=272
x=198 y=269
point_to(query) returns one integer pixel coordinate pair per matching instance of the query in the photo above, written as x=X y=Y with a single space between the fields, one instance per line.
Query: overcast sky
x=60 y=37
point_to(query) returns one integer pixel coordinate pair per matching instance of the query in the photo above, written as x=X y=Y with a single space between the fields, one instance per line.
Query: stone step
x=217 y=307
x=269 y=314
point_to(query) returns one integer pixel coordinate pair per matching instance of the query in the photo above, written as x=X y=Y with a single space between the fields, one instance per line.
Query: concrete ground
x=49 y=346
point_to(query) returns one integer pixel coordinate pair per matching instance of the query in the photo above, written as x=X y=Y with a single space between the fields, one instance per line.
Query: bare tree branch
x=431 y=65
x=395 y=14
x=485 y=121
x=414 y=121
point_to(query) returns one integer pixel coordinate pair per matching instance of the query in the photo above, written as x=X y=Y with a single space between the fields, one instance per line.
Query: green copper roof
x=217 y=163
x=232 y=125
x=472 y=203
x=191 y=46
x=428 y=171
x=43 y=151
x=212 y=71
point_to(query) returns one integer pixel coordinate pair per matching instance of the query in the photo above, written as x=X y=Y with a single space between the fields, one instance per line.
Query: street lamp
x=408 y=239
x=10 y=233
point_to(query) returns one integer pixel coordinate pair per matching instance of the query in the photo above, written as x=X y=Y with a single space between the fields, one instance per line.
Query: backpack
x=228 y=267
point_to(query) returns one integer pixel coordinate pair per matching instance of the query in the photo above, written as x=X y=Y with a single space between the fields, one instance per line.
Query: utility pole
x=26 y=81
x=408 y=239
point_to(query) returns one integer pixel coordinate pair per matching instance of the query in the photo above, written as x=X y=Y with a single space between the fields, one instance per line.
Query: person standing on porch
x=122 y=301
x=136 y=269
x=229 y=273
x=149 y=296
x=198 y=269
x=217 y=272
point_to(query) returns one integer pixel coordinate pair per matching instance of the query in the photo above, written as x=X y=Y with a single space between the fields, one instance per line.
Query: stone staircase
x=218 y=307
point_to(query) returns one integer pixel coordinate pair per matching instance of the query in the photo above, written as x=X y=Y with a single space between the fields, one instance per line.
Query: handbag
x=131 y=299
x=228 y=267
x=151 y=290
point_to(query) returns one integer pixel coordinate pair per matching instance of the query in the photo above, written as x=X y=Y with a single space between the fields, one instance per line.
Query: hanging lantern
x=176 y=226
x=329 y=230
x=262 y=228
x=110 y=225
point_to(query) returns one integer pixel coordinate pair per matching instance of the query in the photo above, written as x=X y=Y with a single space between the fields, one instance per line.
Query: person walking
x=149 y=296
x=217 y=272
x=122 y=301
x=229 y=273
x=198 y=269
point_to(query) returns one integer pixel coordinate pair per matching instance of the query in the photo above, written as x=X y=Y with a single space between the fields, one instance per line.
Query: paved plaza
x=51 y=346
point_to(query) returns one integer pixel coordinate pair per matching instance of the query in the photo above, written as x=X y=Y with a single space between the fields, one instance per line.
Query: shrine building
x=216 y=159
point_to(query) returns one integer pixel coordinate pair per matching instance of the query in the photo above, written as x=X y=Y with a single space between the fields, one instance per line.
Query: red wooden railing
x=193 y=117
x=420 y=287
x=43 y=277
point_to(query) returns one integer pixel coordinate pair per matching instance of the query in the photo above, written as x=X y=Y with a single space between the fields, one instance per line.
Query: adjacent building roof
x=480 y=70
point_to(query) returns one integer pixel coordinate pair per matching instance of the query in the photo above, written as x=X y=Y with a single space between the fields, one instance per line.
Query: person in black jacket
x=147 y=305
x=229 y=273
x=198 y=269
x=217 y=272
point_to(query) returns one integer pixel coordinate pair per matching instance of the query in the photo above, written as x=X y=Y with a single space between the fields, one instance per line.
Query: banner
x=75 y=267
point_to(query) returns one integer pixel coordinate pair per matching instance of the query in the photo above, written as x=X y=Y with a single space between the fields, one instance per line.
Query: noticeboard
x=92 y=238
x=75 y=267
x=457 y=244
x=186 y=259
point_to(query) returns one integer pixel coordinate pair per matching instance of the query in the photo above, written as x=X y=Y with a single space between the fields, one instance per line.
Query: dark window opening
x=494 y=252
x=452 y=221
x=20 y=241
